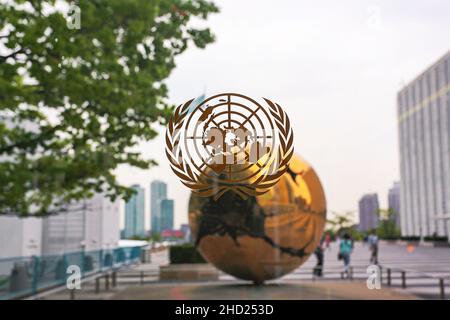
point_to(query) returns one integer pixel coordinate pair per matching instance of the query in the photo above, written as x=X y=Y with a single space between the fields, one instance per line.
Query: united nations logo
x=229 y=142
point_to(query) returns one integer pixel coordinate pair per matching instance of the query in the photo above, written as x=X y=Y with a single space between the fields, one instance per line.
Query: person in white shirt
x=373 y=247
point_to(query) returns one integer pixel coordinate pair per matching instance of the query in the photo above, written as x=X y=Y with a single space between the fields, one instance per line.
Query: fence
x=439 y=281
x=24 y=276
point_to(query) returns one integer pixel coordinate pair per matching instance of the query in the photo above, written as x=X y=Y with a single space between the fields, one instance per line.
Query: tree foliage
x=74 y=102
x=341 y=221
x=387 y=226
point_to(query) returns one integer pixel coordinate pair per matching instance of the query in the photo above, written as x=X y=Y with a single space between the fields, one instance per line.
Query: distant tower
x=368 y=212
x=167 y=214
x=134 y=214
x=158 y=192
x=394 y=202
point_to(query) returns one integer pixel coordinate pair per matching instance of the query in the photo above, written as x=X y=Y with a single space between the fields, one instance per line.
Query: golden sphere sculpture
x=266 y=236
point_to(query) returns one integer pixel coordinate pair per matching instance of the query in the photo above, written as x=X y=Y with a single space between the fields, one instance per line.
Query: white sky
x=334 y=66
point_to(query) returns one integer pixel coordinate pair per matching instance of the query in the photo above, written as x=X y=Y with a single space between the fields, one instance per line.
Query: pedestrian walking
x=345 y=250
x=319 y=253
x=365 y=240
x=373 y=247
x=327 y=241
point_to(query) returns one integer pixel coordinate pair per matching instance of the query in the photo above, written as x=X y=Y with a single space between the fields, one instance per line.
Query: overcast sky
x=334 y=66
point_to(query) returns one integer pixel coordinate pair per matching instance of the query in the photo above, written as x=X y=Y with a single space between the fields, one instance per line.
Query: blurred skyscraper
x=134 y=213
x=423 y=108
x=167 y=214
x=394 y=201
x=158 y=192
x=90 y=224
x=368 y=212
x=20 y=236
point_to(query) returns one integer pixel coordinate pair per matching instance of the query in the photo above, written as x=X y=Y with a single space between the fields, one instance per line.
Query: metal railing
x=387 y=276
x=25 y=276
x=415 y=274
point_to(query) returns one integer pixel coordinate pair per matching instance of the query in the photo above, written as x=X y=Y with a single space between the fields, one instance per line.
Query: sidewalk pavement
x=285 y=290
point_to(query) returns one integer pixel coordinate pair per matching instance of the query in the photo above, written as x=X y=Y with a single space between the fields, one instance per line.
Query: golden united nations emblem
x=229 y=142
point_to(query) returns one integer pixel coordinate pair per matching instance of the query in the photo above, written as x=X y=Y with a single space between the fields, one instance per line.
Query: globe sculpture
x=266 y=236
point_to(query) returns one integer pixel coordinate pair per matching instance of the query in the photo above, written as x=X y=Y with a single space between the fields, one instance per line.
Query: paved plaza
x=278 y=290
x=423 y=267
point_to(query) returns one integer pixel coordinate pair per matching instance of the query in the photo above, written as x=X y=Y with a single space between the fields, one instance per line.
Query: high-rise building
x=423 y=108
x=158 y=192
x=368 y=212
x=134 y=213
x=20 y=237
x=394 y=201
x=166 y=214
x=90 y=224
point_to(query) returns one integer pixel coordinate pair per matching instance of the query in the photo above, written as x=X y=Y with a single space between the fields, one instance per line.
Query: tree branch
x=30 y=142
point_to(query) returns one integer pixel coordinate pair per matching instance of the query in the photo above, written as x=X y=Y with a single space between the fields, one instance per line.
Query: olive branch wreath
x=202 y=185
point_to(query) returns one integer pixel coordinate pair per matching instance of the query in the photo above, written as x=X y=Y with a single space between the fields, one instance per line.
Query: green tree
x=387 y=227
x=74 y=102
x=140 y=238
x=341 y=221
x=156 y=237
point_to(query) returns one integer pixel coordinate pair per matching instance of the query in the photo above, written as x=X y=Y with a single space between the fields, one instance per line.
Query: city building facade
x=368 y=212
x=423 y=108
x=158 y=192
x=134 y=213
x=90 y=224
x=394 y=201
x=167 y=219
x=20 y=237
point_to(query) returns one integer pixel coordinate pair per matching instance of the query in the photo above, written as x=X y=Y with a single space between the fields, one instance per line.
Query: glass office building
x=368 y=212
x=424 y=140
x=167 y=214
x=134 y=214
x=158 y=192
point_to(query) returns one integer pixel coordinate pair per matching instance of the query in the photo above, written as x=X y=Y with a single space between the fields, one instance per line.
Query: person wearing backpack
x=373 y=246
x=345 y=250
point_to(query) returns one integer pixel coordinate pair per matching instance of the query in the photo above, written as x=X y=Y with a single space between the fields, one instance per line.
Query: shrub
x=410 y=238
x=186 y=253
x=436 y=238
x=391 y=238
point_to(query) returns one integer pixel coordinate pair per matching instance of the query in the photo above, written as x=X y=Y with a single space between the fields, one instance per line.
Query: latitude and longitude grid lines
x=229 y=127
